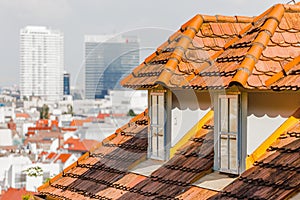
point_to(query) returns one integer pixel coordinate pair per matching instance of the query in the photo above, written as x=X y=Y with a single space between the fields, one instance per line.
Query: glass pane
x=154 y=141
x=233 y=115
x=160 y=139
x=224 y=151
x=154 y=108
x=224 y=114
x=161 y=110
x=233 y=152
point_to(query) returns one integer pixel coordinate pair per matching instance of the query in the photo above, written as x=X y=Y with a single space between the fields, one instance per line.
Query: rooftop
x=215 y=52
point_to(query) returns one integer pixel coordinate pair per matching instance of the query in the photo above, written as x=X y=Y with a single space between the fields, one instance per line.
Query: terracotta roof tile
x=196 y=193
x=16 y=194
x=107 y=177
x=74 y=144
x=104 y=166
x=63 y=157
x=248 y=49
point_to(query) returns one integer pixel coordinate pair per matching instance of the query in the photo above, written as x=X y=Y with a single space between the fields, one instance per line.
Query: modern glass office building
x=107 y=60
x=66 y=83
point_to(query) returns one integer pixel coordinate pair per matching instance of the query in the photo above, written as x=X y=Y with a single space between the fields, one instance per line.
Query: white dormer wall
x=70 y=160
x=188 y=107
x=266 y=112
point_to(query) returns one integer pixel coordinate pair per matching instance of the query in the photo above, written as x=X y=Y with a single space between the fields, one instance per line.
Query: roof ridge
x=224 y=18
x=190 y=28
x=259 y=44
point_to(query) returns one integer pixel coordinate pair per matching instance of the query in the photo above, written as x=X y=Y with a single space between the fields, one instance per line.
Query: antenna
x=292 y=1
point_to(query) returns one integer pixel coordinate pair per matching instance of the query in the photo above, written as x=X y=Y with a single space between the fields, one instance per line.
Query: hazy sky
x=153 y=21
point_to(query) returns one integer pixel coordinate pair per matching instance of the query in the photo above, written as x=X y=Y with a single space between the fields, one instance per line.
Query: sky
x=153 y=21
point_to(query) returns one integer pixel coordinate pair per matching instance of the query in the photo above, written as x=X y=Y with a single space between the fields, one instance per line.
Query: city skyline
x=77 y=18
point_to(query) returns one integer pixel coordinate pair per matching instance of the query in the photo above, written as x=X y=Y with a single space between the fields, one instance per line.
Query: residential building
x=41 y=63
x=223 y=119
x=108 y=59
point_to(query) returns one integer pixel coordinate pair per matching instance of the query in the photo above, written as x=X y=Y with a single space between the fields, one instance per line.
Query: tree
x=131 y=113
x=27 y=197
x=44 y=112
x=70 y=109
x=34 y=171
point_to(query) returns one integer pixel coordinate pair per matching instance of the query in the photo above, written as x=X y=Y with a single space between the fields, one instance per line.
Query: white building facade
x=41 y=63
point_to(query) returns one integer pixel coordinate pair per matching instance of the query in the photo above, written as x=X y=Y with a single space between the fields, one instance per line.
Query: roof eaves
x=259 y=44
x=190 y=30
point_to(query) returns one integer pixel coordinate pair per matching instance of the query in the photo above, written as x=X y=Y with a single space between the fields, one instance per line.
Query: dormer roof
x=216 y=52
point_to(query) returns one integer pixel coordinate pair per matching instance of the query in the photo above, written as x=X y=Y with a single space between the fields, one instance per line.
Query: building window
x=158 y=133
x=230 y=132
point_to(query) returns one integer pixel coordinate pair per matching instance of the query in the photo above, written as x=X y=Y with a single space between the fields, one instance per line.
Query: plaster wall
x=266 y=112
x=188 y=107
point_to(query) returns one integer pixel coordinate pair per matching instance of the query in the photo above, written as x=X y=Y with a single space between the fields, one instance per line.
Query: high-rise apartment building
x=107 y=60
x=41 y=63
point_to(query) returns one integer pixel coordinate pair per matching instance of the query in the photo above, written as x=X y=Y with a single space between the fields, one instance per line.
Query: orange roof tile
x=106 y=164
x=196 y=193
x=51 y=155
x=15 y=194
x=103 y=173
x=63 y=157
x=80 y=145
x=80 y=122
x=22 y=115
x=215 y=52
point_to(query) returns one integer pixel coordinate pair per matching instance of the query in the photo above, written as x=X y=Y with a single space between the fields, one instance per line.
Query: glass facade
x=107 y=62
x=66 y=84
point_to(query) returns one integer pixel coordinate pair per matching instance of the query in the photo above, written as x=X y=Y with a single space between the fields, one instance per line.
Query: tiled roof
x=215 y=52
x=76 y=144
x=276 y=175
x=22 y=115
x=63 y=157
x=80 y=122
x=43 y=137
x=15 y=194
x=196 y=193
x=104 y=167
x=191 y=162
x=103 y=174
x=51 y=155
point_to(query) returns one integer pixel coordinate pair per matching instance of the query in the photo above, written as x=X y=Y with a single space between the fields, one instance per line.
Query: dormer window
x=159 y=133
x=230 y=146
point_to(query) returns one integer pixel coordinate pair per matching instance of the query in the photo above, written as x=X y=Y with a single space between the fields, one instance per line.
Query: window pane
x=154 y=141
x=224 y=114
x=233 y=152
x=154 y=108
x=161 y=110
x=157 y=115
x=160 y=139
x=224 y=151
x=233 y=115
